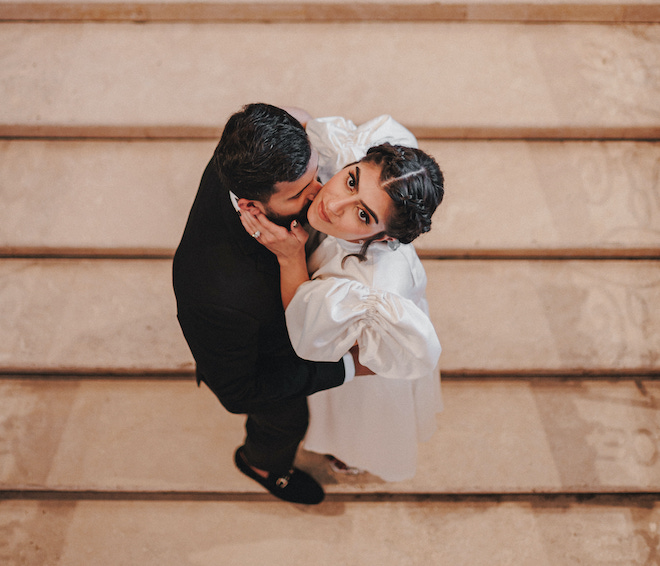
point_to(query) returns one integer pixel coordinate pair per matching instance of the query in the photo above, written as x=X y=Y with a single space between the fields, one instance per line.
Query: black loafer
x=294 y=487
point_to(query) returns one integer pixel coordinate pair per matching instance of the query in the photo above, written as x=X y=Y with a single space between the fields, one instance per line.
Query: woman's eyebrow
x=357 y=190
x=373 y=214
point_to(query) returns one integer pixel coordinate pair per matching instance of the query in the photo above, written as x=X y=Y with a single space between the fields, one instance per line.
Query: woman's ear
x=392 y=243
x=253 y=207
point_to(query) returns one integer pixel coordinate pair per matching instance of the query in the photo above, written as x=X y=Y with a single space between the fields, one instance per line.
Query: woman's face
x=352 y=205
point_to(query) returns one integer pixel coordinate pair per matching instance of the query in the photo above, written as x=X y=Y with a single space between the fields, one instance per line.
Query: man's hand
x=359 y=368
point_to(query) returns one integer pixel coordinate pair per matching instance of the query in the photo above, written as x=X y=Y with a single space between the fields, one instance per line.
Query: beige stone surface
x=546 y=314
x=580 y=76
x=499 y=195
x=89 y=314
x=98 y=194
x=537 y=195
x=107 y=533
x=137 y=436
x=503 y=316
x=135 y=471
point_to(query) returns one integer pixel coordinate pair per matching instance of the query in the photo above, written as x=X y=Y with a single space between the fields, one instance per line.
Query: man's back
x=230 y=310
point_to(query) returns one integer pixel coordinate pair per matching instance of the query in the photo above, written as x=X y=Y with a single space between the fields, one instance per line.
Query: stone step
x=442 y=79
x=102 y=197
x=618 y=11
x=144 y=437
x=118 y=316
x=208 y=533
x=529 y=198
x=525 y=198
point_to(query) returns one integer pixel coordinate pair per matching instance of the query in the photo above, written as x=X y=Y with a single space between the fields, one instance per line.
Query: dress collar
x=234 y=201
x=350 y=247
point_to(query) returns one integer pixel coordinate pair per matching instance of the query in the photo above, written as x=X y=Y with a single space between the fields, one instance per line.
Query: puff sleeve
x=395 y=337
x=340 y=142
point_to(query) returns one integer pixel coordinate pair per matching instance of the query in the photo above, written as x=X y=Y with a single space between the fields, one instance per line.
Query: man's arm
x=225 y=344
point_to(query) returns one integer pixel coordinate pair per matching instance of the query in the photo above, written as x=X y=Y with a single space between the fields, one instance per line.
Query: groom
x=227 y=288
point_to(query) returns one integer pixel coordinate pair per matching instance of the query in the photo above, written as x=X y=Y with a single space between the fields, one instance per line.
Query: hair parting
x=415 y=183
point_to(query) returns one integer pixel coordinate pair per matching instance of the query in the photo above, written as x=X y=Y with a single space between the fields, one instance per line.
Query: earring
x=393 y=244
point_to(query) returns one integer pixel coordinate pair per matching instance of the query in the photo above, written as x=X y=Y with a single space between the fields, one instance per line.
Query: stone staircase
x=543 y=279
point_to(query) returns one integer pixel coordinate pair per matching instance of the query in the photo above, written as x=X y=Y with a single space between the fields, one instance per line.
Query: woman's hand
x=287 y=245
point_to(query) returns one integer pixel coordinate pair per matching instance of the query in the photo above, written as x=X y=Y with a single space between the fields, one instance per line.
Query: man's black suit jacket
x=230 y=310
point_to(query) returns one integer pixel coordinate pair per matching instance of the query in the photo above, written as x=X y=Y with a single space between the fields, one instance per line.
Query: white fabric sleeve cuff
x=349 y=366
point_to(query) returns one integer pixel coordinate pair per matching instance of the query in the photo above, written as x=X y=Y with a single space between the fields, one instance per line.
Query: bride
x=367 y=286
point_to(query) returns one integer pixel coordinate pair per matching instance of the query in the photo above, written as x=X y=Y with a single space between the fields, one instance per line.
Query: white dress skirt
x=372 y=422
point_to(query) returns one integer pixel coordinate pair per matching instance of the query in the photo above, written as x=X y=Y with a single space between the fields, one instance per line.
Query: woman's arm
x=299 y=114
x=287 y=245
x=396 y=337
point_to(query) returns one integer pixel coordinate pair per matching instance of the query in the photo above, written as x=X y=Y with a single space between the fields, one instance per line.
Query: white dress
x=372 y=422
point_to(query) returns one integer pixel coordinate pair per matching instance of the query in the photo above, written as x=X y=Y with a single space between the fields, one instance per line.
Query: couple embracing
x=323 y=337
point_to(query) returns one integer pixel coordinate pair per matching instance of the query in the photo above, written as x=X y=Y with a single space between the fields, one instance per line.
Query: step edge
x=305 y=12
x=200 y=132
x=596 y=253
x=548 y=497
x=545 y=375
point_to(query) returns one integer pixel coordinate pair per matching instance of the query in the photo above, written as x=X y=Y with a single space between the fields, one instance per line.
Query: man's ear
x=253 y=207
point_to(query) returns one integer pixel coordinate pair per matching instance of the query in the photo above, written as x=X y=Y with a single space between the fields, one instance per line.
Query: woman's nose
x=337 y=206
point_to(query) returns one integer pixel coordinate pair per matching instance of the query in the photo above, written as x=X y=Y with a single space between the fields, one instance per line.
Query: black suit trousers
x=273 y=435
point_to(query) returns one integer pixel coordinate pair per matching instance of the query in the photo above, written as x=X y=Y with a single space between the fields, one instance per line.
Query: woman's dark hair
x=260 y=146
x=415 y=184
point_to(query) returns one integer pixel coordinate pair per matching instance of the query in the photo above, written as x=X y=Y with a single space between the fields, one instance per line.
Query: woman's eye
x=351 y=181
x=363 y=216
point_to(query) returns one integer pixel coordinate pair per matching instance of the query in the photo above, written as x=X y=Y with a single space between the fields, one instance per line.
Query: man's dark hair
x=260 y=146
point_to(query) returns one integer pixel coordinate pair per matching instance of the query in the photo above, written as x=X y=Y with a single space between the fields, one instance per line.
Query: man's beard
x=286 y=221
